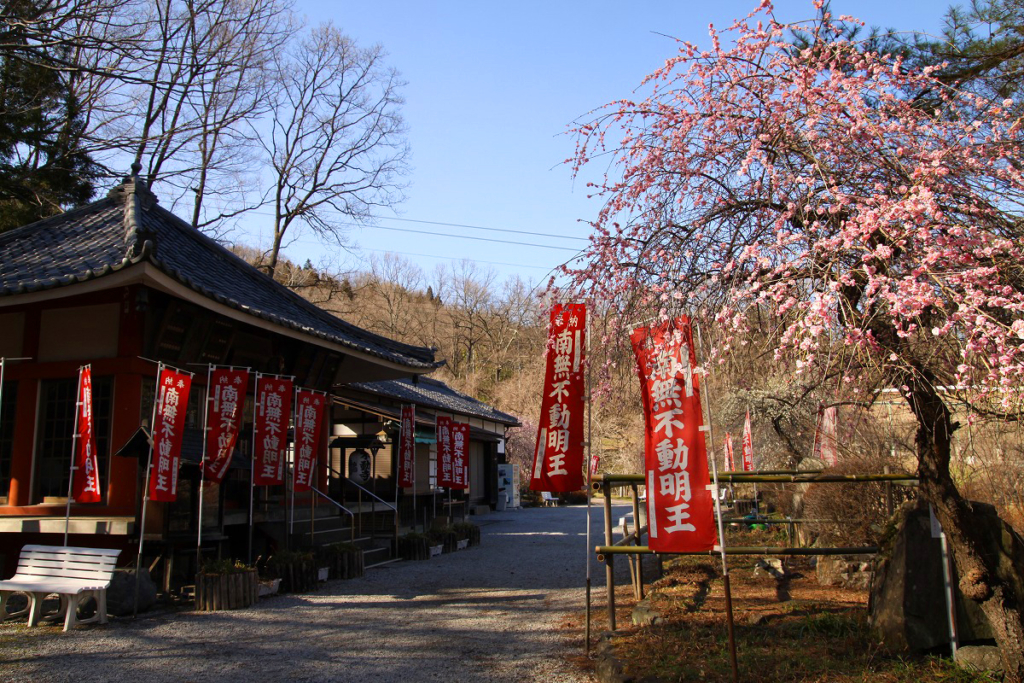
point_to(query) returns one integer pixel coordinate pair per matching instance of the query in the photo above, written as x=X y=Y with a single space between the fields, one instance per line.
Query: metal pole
x=609 y=562
x=637 y=541
x=721 y=527
x=74 y=442
x=202 y=469
x=145 y=490
x=587 y=465
x=252 y=461
x=950 y=602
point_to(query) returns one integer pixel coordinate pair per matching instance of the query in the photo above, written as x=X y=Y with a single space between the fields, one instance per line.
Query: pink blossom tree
x=809 y=186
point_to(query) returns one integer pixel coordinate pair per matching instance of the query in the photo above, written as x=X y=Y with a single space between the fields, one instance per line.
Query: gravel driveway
x=490 y=613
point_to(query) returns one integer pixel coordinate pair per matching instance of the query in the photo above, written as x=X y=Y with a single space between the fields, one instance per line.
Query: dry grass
x=786 y=632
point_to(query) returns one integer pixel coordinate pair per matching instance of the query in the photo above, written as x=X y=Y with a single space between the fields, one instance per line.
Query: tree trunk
x=977 y=568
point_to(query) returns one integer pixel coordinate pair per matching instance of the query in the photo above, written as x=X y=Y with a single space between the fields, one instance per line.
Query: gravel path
x=490 y=613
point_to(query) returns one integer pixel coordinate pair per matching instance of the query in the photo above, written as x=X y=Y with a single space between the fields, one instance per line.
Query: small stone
x=979 y=658
x=644 y=615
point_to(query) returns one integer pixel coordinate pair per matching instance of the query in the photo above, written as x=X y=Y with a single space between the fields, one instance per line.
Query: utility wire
x=478 y=239
x=453 y=225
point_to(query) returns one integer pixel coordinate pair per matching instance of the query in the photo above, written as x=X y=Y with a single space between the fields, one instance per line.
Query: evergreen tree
x=44 y=167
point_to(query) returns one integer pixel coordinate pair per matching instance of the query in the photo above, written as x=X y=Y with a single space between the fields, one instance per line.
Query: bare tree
x=209 y=79
x=336 y=146
x=396 y=284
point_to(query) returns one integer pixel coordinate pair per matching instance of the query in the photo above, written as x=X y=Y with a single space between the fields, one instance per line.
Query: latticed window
x=56 y=426
x=8 y=406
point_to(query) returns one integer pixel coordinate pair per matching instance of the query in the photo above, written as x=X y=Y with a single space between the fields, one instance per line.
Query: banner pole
x=145 y=491
x=202 y=468
x=718 y=513
x=252 y=461
x=588 y=466
x=74 y=451
x=289 y=483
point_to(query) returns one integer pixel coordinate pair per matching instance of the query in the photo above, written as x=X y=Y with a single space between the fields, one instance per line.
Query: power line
x=480 y=227
x=454 y=258
x=453 y=225
x=478 y=239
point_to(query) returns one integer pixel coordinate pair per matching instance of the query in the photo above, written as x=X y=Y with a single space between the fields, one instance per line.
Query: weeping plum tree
x=808 y=187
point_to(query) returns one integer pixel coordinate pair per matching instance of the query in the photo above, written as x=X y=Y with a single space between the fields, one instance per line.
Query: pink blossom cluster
x=810 y=183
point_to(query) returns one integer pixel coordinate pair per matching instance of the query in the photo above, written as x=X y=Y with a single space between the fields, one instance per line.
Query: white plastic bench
x=548 y=499
x=73 y=574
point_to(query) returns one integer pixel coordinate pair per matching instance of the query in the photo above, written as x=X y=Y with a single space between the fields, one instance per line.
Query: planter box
x=463 y=544
x=269 y=587
x=413 y=548
x=216 y=592
x=344 y=565
x=296 y=577
x=436 y=550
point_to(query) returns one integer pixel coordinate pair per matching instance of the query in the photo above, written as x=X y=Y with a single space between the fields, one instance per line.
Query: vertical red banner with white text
x=460 y=455
x=825 y=445
x=171 y=405
x=679 y=505
x=87 y=477
x=270 y=426
x=730 y=457
x=558 y=460
x=407 y=448
x=445 y=470
x=748 y=446
x=309 y=411
x=224 y=420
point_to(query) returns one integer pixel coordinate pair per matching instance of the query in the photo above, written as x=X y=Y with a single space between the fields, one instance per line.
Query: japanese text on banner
x=270 y=424
x=446 y=470
x=172 y=403
x=309 y=409
x=460 y=454
x=680 y=514
x=87 y=477
x=558 y=460
x=407 y=448
x=224 y=421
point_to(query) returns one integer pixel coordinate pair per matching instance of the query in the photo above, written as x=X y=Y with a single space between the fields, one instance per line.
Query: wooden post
x=609 y=560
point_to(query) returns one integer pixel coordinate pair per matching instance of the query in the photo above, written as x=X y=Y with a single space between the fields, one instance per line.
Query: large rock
x=121 y=594
x=847 y=571
x=980 y=658
x=908 y=604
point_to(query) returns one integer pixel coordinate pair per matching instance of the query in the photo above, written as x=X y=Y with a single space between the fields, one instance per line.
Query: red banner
x=558 y=460
x=730 y=458
x=679 y=506
x=748 y=446
x=309 y=410
x=224 y=420
x=460 y=455
x=825 y=447
x=407 y=448
x=270 y=426
x=595 y=463
x=445 y=471
x=87 y=477
x=171 y=406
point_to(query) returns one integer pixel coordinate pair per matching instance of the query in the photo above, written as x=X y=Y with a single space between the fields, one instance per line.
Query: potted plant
x=443 y=536
x=414 y=546
x=468 y=531
x=296 y=569
x=226 y=584
x=343 y=560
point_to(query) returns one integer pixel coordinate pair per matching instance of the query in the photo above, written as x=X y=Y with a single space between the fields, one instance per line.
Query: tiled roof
x=431 y=393
x=128 y=227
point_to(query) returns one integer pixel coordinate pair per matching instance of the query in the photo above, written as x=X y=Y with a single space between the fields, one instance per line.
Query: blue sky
x=491 y=89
